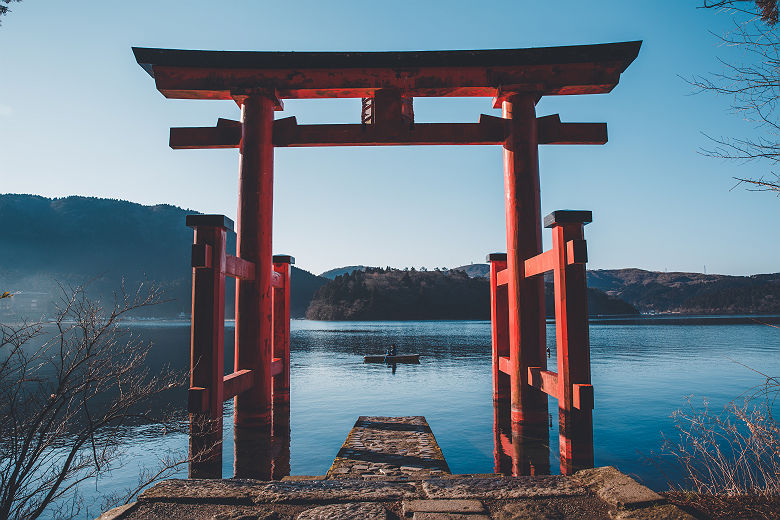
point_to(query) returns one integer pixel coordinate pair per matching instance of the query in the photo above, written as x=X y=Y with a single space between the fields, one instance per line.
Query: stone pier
x=391 y=468
x=402 y=448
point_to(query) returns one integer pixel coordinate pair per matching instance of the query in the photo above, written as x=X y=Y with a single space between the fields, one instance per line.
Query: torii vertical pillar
x=254 y=303
x=527 y=341
x=253 y=297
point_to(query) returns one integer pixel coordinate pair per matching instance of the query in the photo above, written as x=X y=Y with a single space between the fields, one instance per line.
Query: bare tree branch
x=64 y=390
x=753 y=85
x=4 y=8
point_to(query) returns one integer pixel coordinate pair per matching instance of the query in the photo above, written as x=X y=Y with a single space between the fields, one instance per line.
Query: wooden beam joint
x=543 y=380
x=197 y=399
x=240 y=95
x=389 y=129
x=201 y=256
x=540 y=263
x=550 y=130
x=576 y=252
x=582 y=397
x=236 y=383
x=505 y=365
x=502 y=277
x=192 y=138
x=239 y=268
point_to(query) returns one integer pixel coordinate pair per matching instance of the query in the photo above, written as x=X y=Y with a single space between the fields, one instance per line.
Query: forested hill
x=338 y=271
x=393 y=294
x=691 y=293
x=73 y=240
x=678 y=292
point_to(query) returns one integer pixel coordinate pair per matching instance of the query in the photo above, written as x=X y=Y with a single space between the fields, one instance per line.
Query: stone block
x=245 y=491
x=194 y=490
x=529 y=510
x=656 y=512
x=502 y=488
x=330 y=490
x=118 y=512
x=348 y=511
x=618 y=489
x=448 y=516
x=244 y=515
x=442 y=506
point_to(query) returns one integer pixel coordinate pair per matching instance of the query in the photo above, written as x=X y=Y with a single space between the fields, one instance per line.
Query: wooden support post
x=207 y=345
x=253 y=297
x=573 y=344
x=499 y=325
x=281 y=346
x=527 y=341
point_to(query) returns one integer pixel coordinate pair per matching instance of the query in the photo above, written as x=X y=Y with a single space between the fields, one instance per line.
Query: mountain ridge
x=45 y=242
x=682 y=292
x=100 y=242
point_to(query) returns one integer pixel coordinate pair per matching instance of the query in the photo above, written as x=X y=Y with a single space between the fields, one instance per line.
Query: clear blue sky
x=78 y=116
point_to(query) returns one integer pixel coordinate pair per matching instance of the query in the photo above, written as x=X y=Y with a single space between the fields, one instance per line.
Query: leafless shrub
x=63 y=397
x=735 y=452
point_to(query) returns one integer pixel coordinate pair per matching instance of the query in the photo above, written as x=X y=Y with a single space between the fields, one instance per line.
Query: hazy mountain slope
x=475 y=270
x=73 y=240
x=304 y=285
x=338 y=271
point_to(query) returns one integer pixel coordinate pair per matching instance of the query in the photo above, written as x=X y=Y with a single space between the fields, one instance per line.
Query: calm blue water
x=641 y=374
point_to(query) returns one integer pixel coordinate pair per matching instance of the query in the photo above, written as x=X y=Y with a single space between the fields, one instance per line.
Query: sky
x=78 y=116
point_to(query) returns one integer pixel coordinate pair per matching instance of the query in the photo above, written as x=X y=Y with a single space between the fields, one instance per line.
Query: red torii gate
x=387 y=82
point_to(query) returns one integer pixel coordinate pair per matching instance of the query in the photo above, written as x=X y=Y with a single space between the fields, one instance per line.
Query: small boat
x=408 y=358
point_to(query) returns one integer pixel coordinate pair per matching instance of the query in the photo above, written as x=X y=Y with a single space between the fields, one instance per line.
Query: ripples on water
x=641 y=374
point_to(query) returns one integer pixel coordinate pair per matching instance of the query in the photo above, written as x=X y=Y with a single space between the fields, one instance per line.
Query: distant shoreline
x=682 y=319
x=646 y=319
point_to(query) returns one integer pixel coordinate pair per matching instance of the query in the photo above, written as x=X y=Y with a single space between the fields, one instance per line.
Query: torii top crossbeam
x=388 y=81
x=577 y=69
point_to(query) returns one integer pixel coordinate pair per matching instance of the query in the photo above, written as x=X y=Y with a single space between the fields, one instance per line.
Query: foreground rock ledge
x=594 y=494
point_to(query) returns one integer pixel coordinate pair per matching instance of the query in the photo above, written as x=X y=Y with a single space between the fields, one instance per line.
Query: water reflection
x=260 y=454
x=518 y=449
x=280 y=443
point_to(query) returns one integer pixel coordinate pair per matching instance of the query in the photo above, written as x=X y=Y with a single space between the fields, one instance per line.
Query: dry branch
x=65 y=390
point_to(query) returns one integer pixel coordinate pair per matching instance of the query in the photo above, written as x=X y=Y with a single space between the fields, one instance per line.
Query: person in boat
x=391 y=352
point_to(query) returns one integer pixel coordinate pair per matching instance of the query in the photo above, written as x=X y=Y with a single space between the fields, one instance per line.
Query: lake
x=641 y=374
